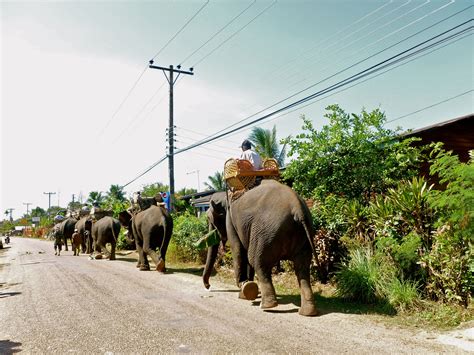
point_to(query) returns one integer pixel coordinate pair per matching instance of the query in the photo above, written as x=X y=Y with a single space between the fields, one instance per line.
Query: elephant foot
x=266 y=304
x=308 y=310
x=161 y=266
x=98 y=256
x=249 y=291
x=112 y=258
x=144 y=268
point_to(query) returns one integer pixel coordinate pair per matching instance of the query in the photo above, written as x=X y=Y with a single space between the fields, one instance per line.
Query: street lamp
x=195 y=172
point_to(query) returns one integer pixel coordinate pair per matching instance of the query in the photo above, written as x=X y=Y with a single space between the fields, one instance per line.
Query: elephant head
x=216 y=215
x=125 y=219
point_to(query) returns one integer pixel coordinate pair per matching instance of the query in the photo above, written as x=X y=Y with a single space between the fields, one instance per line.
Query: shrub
x=450 y=263
x=357 y=279
x=401 y=294
x=187 y=229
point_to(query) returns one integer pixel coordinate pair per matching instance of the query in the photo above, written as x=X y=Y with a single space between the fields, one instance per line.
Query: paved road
x=71 y=304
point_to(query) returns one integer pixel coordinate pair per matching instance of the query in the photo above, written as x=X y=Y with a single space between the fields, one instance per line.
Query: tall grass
x=369 y=279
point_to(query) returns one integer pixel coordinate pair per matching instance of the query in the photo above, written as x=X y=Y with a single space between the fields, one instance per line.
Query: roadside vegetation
x=389 y=241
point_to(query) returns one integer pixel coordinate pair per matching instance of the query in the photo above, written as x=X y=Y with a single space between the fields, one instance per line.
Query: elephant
x=150 y=229
x=84 y=228
x=66 y=229
x=267 y=224
x=105 y=230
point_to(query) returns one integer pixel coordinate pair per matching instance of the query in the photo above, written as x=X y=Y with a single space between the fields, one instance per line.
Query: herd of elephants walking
x=264 y=225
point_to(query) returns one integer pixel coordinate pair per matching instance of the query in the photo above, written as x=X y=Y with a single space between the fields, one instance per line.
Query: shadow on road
x=332 y=304
x=8 y=294
x=8 y=347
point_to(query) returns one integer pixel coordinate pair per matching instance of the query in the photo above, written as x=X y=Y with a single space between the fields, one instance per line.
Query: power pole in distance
x=10 y=210
x=49 y=198
x=171 y=81
x=27 y=207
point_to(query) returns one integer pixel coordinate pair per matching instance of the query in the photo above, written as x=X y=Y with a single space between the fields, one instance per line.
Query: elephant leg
x=141 y=258
x=65 y=243
x=210 y=260
x=239 y=254
x=157 y=259
x=112 y=251
x=268 y=293
x=301 y=265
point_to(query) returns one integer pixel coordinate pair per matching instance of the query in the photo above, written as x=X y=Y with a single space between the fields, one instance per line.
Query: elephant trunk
x=210 y=260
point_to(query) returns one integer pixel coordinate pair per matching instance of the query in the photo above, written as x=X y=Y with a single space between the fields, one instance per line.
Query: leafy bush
x=187 y=229
x=450 y=263
x=353 y=156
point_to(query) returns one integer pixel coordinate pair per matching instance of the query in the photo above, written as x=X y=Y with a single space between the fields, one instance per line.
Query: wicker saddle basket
x=239 y=173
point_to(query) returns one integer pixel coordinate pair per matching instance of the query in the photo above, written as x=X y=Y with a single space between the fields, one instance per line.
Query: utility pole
x=49 y=198
x=171 y=81
x=10 y=210
x=193 y=172
x=27 y=207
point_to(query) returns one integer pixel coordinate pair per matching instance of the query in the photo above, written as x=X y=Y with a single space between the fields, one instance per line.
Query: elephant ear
x=125 y=218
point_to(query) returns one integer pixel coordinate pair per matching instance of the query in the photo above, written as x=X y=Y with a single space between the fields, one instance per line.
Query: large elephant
x=267 y=224
x=150 y=229
x=66 y=229
x=84 y=228
x=105 y=230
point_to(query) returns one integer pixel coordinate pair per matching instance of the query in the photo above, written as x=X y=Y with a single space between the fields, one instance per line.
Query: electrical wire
x=381 y=65
x=235 y=33
x=219 y=31
x=430 y=106
x=369 y=78
x=352 y=78
x=181 y=29
x=146 y=67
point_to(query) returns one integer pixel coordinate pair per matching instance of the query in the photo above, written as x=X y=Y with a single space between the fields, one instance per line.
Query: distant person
x=58 y=243
x=250 y=155
x=76 y=242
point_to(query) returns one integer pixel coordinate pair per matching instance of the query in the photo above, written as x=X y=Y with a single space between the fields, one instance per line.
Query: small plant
x=358 y=277
x=401 y=294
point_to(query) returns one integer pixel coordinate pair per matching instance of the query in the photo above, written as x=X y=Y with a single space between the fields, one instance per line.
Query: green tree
x=151 y=190
x=95 y=197
x=38 y=212
x=115 y=193
x=216 y=182
x=353 y=156
x=73 y=206
x=266 y=144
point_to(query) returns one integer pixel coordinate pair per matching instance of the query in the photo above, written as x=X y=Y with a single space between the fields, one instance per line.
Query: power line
x=123 y=101
x=370 y=78
x=373 y=69
x=146 y=67
x=219 y=31
x=181 y=29
x=430 y=106
x=346 y=81
x=235 y=33
x=343 y=70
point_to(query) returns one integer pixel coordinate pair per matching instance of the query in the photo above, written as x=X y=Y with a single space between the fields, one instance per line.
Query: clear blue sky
x=66 y=68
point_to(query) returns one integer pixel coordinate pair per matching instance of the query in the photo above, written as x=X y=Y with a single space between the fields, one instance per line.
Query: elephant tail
x=310 y=239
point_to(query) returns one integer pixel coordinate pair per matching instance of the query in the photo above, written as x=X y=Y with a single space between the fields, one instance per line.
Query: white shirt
x=253 y=157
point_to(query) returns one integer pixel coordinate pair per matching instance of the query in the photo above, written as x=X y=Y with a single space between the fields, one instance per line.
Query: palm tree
x=266 y=144
x=217 y=182
x=95 y=197
x=115 y=193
